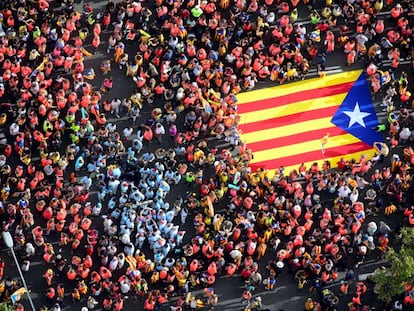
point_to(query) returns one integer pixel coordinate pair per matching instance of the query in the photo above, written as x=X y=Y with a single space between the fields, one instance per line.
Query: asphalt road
x=286 y=295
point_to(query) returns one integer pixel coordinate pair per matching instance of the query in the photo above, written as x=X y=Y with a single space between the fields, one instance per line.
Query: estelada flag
x=284 y=125
x=132 y=262
x=17 y=295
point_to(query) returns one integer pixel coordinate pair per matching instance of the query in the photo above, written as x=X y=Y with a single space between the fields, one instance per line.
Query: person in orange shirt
x=48 y=276
x=396 y=11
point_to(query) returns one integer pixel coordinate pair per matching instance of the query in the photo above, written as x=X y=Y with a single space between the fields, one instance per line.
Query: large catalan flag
x=284 y=125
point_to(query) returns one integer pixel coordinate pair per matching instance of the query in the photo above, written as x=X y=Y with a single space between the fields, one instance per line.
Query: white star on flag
x=356 y=116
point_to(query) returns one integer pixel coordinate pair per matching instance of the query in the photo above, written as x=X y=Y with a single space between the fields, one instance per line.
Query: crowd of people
x=67 y=172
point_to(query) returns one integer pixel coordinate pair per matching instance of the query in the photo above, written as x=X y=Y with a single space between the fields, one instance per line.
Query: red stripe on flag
x=310 y=156
x=297 y=138
x=295 y=97
x=288 y=120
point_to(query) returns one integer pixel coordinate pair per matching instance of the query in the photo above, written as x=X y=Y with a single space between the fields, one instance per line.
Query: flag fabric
x=132 y=262
x=17 y=295
x=287 y=125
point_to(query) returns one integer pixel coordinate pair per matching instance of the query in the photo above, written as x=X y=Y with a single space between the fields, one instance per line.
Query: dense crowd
x=66 y=170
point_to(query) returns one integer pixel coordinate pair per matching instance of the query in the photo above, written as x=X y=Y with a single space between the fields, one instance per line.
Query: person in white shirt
x=397 y=306
x=56 y=307
x=25 y=265
x=14 y=129
x=127 y=132
x=344 y=191
x=91 y=303
x=111 y=127
x=86 y=182
x=158 y=132
x=115 y=105
x=300 y=29
x=134 y=113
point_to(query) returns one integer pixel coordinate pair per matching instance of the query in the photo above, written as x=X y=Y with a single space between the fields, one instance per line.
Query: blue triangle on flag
x=357 y=115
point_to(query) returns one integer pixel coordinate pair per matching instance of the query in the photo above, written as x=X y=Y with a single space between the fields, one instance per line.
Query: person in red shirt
x=107 y=85
x=245 y=273
x=342 y=164
x=159 y=89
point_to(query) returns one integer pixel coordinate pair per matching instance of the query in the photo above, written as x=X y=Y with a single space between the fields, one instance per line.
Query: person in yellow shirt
x=309 y=305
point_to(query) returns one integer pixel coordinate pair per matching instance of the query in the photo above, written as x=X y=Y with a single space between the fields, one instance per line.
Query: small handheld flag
x=17 y=295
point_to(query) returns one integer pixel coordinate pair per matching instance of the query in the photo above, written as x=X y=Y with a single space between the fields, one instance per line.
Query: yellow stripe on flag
x=291 y=88
x=295 y=149
x=293 y=108
x=282 y=131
